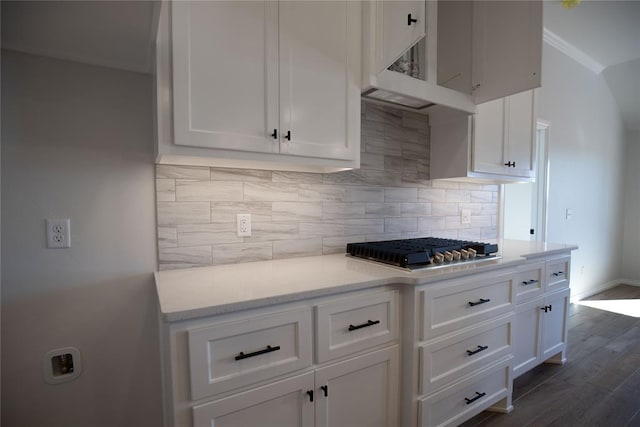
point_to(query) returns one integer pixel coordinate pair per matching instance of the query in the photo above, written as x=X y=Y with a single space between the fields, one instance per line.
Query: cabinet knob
x=510 y=164
x=288 y=136
x=310 y=394
x=410 y=20
x=275 y=134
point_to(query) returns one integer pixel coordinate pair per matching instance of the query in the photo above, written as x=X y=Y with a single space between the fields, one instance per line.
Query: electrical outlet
x=244 y=225
x=465 y=216
x=58 y=233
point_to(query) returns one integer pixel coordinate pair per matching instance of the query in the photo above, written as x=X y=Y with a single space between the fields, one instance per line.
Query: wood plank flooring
x=598 y=386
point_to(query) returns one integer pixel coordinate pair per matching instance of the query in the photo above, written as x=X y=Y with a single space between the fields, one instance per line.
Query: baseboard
x=630 y=282
x=597 y=289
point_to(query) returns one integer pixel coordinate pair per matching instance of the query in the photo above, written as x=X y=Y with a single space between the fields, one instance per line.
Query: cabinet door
x=225 y=74
x=507 y=48
x=520 y=133
x=398 y=33
x=320 y=78
x=526 y=337
x=554 y=326
x=281 y=404
x=488 y=138
x=362 y=391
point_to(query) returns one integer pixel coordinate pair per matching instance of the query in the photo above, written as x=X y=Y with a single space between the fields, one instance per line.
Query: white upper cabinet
x=503 y=136
x=225 y=74
x=319 y=46
x=260 y=84
x=403 y=25
x=507 y=48
x=497 y=144
x=474 y=52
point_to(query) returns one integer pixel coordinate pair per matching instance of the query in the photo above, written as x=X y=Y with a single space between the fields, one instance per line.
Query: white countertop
x=205 y=291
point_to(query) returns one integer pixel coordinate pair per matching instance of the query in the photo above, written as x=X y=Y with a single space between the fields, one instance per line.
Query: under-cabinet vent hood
x=389 y=97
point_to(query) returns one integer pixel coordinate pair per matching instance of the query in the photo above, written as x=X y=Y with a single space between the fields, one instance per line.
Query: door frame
x=541 y=185
x=540 y=191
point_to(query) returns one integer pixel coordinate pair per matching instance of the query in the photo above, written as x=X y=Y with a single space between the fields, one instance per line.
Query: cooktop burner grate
x=421 y=252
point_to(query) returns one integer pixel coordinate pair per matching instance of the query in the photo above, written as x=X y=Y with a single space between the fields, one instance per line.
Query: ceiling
x=115 y=34
x=603 y=34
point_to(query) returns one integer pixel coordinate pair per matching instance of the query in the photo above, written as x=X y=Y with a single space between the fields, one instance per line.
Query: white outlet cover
x=465 y=216
x=243 y=225
x=58 y=233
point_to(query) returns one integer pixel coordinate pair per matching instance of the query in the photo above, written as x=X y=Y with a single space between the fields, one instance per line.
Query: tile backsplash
x=302 y=214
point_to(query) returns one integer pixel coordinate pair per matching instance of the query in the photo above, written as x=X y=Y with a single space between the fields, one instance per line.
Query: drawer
x=456 y=404
x=529 y=281
x=558 y=271
x=234 y=354
x=446 y=361
x=456 y=304
x=352 y=324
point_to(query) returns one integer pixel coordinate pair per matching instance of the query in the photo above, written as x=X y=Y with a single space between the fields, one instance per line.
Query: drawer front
x=529 y=282
x=230 y=355
x=458 y=304
x=458 y=403
x=445 y=361
x=558 y=271
x=353 y=324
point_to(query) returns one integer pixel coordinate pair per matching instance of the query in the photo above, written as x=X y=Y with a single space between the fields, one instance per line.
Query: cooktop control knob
x=472 y=253
x=438 y=258
x=448 y=256
x=456 y=255
x=464 y=254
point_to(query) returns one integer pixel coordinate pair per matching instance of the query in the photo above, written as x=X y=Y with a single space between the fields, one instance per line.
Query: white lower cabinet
x=554 y=326
x=281 y=404
x=541 y=318
x=362 y=391
x=394 y=355
x=526 y=343
x=274 y=367
x=464 y=339
x=461 y=401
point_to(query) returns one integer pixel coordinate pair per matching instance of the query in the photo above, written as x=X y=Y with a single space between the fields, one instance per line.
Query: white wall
x=631 y=247
x=77 y=143
x=586 y=151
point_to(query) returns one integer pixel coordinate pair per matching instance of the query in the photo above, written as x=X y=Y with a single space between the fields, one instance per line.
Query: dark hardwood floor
x=598 y=386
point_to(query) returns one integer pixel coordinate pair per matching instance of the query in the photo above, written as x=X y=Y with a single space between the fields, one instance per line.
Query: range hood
x=388 y=97
x=459 y=55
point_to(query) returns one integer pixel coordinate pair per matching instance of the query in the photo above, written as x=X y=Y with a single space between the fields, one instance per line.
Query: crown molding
x=552 y=39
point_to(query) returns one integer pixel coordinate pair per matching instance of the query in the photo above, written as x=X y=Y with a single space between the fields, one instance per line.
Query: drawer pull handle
x=411 y=20
x=478 y=350
x=473 y=399
x=546 y=308
x=364 y=325
x=310 y=393
x=269 y=349
x=325 y=389
x=530 y=282
x=482 y=301
x=559 y=273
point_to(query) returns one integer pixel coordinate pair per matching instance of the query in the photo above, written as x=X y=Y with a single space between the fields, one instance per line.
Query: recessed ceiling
x=115 y=34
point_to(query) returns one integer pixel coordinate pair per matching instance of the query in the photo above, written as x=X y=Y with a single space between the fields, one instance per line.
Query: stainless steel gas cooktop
x=423 y=252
